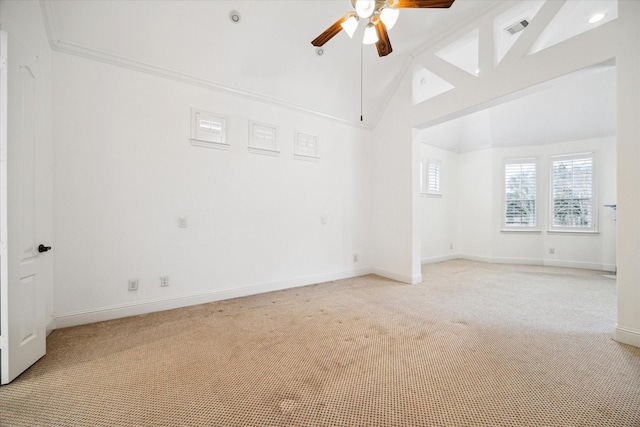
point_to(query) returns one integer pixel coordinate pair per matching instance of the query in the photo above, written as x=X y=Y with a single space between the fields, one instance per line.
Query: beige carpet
x=473 y=345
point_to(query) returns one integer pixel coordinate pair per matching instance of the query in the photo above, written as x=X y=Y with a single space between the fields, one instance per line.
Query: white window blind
x=430 y=177
x=520 y=193
x=433 y=177
x=572 y=179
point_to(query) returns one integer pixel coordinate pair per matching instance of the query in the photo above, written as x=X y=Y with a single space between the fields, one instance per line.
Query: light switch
x=182 y=222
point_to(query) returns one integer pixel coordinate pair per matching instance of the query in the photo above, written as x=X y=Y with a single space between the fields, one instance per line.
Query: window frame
x=425 y=182
x=535 y=227
x=593 y=227
x=202 y=137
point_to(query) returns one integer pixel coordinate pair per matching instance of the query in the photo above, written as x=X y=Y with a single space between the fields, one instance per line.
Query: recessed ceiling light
x=596 y=18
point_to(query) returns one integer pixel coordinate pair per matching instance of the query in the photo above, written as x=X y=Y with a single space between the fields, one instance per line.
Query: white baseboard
x=539 y=261
x=412 y=280
x=499 y=260
x=124 y=310
x=433 y=260
x=50 y=325
x=627 y=336
x=584 y=265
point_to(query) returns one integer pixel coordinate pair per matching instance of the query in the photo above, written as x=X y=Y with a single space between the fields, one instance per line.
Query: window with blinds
x=208 y=130
x=433 y=177
x=520 y=182
x=430 y=177
x=572 y=192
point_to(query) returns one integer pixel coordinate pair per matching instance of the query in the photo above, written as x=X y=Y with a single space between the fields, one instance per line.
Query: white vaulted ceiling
x=574 y=107
x=267 y=55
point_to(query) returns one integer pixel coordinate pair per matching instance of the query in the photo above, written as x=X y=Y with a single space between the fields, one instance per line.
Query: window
x=306 y=146
x=430 y=177
x=572 y=193
x=208 y=130
x=263 y=138
x=520 y=193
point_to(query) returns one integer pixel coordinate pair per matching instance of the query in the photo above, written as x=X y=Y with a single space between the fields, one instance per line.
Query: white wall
x=23 y=21
x=478 y=211
x=438 y=215
x=628 y=175
x=395 y=237
x=126 y=171
x=475 y=214
x=596 y=251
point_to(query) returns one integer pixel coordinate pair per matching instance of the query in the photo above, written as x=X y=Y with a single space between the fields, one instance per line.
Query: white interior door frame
x=4 y=278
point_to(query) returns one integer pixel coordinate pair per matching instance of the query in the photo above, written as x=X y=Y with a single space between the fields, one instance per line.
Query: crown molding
x=98 y=55
x=50 y=24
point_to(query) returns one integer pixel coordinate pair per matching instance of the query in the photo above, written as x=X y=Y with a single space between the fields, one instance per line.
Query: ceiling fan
x=382 y=15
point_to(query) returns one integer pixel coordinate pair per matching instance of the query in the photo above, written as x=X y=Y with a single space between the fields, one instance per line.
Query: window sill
x=431 y=194
x=521 y=230
x=210 y=144
x=577 y=232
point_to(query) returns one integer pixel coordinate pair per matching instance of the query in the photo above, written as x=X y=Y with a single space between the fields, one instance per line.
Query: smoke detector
x=517 y=27
x=234 y=15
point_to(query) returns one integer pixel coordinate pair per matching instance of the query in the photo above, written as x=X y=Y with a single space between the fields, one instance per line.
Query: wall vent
x=517 y=27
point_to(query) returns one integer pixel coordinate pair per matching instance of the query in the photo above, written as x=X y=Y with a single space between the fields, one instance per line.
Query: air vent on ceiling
x=517 y=27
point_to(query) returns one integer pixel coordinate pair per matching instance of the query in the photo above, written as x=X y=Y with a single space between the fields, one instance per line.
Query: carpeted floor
x=473 y=345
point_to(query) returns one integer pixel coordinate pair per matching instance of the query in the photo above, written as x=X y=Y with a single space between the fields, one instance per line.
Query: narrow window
x=520 y=193
x=433 y=177
x=430 y=177
x=572 y=193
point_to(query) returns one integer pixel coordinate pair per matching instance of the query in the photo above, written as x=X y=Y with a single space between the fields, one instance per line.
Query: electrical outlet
x=164 y=281
x=133 y=285
x=552 y=251
x=355 y=257
x=450 y=246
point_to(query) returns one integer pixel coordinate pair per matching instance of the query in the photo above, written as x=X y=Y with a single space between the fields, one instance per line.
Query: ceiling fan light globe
x=365 y=8
x=370 y=34
x=389 y=17
x=350 y=25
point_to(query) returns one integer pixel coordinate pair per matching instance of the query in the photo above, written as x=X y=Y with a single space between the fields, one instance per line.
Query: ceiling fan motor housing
x=382 y=16
x=379 y=4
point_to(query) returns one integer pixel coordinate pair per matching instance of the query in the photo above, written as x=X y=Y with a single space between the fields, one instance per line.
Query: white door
x=22 y=323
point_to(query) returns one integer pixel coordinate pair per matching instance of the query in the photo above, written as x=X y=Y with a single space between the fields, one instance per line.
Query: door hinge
x=3 y=62
x=3 y=343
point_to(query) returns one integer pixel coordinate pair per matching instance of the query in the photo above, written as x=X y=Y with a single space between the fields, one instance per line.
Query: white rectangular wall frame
x=306 y=146
x=208 y=130
x=263 y=139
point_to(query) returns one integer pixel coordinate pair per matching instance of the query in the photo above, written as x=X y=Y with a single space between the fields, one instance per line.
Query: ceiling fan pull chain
x=360 y=81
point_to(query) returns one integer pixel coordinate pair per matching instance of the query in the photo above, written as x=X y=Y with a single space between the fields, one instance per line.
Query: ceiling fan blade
x=330 y=32
x=408 y=4
x=383 y=44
